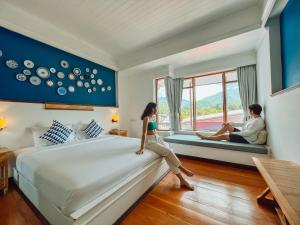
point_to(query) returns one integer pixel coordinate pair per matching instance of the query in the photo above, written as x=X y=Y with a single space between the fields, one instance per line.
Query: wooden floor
x=223 y=195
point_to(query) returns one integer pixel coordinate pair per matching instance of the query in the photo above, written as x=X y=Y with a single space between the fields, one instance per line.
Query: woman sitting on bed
x=247 y=135
x=152 y=141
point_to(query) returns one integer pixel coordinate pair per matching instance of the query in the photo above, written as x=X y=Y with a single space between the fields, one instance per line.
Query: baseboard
x=235 y=165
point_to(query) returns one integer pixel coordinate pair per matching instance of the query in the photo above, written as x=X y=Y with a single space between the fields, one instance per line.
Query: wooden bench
x=283 y=180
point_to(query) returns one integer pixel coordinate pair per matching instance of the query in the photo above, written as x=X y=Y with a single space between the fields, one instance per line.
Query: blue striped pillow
x=57 y=133
x=93 y=130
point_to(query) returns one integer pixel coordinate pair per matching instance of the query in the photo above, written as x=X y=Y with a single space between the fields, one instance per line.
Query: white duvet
x=71 y=175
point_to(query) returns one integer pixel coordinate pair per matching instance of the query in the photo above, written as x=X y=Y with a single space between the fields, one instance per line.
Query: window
x=207 y=102
x=163 y=111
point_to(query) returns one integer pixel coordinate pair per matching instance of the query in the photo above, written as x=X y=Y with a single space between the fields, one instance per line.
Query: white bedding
x=70 y=175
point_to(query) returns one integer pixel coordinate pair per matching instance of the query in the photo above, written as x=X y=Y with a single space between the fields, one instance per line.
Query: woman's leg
x=215 y=138
x=173 y=162
x=226 y=127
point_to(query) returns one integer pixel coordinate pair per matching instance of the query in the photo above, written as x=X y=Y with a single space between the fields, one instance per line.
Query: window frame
x=193 y=92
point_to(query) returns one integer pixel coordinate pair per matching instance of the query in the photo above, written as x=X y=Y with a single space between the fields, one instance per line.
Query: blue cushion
x=57 y=133
x=93 y=130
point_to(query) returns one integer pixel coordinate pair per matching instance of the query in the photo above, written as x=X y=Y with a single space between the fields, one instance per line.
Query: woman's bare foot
x=185 y=184
x=186 y=171
x=201 y=136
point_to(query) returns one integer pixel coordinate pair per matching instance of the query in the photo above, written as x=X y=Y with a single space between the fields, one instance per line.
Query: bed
x=90 y=181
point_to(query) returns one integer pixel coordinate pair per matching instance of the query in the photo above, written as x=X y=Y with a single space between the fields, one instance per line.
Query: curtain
x=247 y=87
x=174 y=96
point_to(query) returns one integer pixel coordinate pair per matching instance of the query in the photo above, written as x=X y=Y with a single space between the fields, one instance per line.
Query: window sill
x=195 y=141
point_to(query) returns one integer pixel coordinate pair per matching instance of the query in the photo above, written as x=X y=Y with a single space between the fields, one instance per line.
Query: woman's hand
x=139 y=152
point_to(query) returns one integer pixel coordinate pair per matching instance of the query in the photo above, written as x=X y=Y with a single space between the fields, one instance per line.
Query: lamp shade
x=115 y=118
x=2 y=123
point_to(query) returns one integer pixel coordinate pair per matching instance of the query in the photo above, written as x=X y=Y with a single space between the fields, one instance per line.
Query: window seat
x=195 y=141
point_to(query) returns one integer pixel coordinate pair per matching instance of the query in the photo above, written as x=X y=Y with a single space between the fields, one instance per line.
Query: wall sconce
x=2 y=123
x=115 y=119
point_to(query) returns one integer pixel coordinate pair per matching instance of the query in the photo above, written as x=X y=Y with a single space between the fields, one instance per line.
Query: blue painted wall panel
x=19 y=48
x=290 y=43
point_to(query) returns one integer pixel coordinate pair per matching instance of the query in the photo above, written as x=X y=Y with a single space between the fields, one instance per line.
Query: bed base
x=104 y=210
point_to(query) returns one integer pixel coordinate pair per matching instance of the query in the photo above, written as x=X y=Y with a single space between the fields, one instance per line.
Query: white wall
x=281 y=111
x=22 y=116
x=137 y=89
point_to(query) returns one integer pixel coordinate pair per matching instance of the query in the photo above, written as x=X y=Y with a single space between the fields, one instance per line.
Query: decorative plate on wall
x=77 y=71
x=61 y=91
x=12 y=64
x=93 y=81
x=87 y=70
x=27 y=72
x=60 y=83
x=108 y=88
x=71 y=76
x=52 y=70
x=29 y=64
x=103 y=89
x=43 y=72
x=89 y=90
x=99 y=82
x=92 y=76
x=79 y=83
x=50 y=83
x=87 y=84
x=34 y=80
x=95 y=71
x=21 y=77
x=81 y=77
x=94 y=89
x=60 y=75
x=71 y=89
x=64 y=64
x=1 y=53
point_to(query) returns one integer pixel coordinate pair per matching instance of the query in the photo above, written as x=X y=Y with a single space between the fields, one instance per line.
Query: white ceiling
x=122 y=26
x=245 y=42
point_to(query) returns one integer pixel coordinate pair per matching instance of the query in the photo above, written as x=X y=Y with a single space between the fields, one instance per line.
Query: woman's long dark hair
x=148 y=110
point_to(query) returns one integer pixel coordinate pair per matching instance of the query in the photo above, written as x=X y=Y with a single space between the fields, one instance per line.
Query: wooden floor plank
x=223 y=195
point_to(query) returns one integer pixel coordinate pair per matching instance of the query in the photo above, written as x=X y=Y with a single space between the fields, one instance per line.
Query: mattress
x=73 y=174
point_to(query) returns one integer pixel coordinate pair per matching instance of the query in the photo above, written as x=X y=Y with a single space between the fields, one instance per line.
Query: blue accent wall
x=19 y=48
x=290 y=43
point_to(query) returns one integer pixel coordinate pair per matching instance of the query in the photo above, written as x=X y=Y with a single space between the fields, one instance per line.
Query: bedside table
x=119 y=132
x=3 y=170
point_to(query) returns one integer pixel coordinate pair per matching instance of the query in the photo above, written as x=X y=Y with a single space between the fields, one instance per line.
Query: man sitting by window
x=247 y=135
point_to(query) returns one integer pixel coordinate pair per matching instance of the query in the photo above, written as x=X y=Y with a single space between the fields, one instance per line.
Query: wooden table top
x=283 y=179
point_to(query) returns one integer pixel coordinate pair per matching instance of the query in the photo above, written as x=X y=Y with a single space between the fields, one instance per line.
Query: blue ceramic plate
x=61 y=91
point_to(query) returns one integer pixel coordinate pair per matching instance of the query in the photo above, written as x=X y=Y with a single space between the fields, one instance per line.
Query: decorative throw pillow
x=57 y=133
x=261 y=137
x=93 y=130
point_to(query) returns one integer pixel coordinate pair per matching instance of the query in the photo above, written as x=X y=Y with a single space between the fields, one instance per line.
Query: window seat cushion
x=194 y=140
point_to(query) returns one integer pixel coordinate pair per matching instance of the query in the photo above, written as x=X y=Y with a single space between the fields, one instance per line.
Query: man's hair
x=256 y=108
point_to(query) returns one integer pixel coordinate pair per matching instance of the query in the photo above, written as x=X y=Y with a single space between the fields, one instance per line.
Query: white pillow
x=78 y=129
x=261 y=137
x=37 y=131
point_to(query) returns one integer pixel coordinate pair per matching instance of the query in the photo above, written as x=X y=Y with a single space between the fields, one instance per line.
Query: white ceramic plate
x=21 y=77
x=95 y=71
x=87 y=84
x=92 y=76
x=77 y=71
x=60 y=83
x=89 y=90
x=71 y=89
x=28 y=63
x=93 y=81
x=43 y=72
x=61 y=91
x=50 y=83
x=60 y=75
x=79 y=83
x=87 y=70
x=99 y=82
x=94 y=89
x=12 y=64
x=34 y=80
x=27 y=72
x=64 y=64
x=103 y=89
x=52 y=70
x=71 y=76
x=108 y=88
x=81 y=77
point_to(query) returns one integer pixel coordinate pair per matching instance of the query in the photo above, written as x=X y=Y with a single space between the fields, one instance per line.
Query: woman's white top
x=251 y=129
